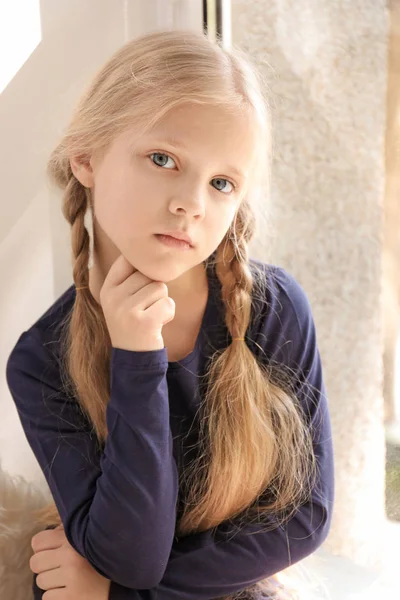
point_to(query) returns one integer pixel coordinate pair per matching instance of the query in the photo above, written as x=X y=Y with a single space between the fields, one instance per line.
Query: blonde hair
x=255 y=456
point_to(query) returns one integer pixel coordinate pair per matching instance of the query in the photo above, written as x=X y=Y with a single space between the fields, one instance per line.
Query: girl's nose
x=191 y=202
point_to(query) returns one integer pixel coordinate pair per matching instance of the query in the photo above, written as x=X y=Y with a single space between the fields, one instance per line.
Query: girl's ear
x=82 y=169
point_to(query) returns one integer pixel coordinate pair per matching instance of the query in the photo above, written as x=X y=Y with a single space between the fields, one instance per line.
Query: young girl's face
x=188 y=173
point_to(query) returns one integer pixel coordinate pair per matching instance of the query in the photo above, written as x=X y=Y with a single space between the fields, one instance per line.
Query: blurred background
x=332 y=209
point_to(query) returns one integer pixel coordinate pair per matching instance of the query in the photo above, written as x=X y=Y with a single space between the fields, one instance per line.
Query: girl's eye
x=161 y=160
x=220 y=184
x=159 y=156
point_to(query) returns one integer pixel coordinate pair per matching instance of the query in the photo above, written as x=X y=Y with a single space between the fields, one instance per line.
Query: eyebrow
x=179 y=144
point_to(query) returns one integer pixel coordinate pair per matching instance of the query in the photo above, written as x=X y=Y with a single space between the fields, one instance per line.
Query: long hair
x=255 y=456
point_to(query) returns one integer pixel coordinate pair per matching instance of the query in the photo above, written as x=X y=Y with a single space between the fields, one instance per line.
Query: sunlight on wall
x=20 y=33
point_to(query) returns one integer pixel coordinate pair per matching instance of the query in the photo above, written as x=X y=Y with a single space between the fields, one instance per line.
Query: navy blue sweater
x=119 y=502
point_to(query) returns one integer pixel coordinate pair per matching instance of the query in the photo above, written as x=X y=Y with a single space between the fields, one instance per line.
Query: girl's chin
x=161 y=270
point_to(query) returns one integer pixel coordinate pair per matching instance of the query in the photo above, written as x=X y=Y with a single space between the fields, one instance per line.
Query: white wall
x=77 y=37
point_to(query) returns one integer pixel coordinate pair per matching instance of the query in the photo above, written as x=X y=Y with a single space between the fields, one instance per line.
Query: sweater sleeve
x=114 y=501
x=216 y=563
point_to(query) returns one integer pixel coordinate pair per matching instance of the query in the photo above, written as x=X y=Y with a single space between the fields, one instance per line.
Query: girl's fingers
x=120 y=270
x=48 y=539
x=44 y=561
x=50 y=579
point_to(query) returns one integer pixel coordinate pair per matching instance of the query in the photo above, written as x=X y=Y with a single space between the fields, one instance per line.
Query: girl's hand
x=135 y=308
x=62 y=572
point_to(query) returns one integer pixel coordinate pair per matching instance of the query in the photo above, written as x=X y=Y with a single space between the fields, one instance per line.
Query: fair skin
x=62 y=572
x=181 y=194
x=154 y=187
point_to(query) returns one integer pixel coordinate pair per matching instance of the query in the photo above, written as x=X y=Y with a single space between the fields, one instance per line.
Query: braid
x=74 y=209
x=87 y=341
x=233 y=272
x=85 y=338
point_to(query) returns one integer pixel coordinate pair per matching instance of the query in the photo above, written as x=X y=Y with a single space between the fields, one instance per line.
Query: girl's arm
x=205 y=566
x=117 y=504
x=217 y=563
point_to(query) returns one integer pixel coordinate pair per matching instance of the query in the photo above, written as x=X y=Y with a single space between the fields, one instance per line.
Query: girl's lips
x=178 y=234
x=172 y=242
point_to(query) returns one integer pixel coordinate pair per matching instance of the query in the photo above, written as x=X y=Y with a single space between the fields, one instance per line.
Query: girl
x=173 y=395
